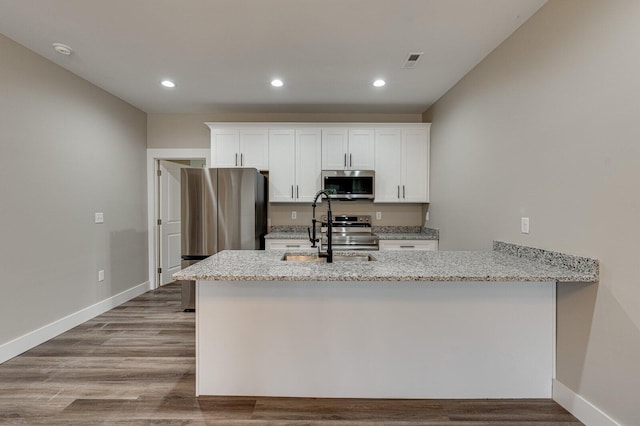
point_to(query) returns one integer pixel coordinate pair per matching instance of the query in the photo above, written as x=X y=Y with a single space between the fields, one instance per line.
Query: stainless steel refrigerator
x=222 y=209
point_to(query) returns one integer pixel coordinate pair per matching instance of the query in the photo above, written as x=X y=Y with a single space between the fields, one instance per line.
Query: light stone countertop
x=246 y=265
x=383 y=233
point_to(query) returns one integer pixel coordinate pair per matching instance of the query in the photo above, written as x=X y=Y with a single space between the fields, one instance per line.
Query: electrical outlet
x=524 y=225
x=101 y=275
x=99 y=217
x=294 y=215
x=378 y=215
x=426 y=216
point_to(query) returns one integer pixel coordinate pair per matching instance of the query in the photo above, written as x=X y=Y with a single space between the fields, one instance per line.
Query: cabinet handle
x=345 y=160
x=292 y=191
x=293 y=245
x=350 y=160
x=398 y=191
x=236 y=159
x=403 y=194
x=297 y=191
x=242 y=159
x=407 y=247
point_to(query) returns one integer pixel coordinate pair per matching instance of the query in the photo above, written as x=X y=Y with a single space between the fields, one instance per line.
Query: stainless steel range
x=350 y=233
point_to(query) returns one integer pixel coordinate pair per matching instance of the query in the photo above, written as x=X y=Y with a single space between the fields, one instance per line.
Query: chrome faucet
x=328 y=223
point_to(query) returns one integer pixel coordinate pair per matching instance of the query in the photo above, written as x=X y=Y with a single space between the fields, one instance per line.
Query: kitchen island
x=405 y=325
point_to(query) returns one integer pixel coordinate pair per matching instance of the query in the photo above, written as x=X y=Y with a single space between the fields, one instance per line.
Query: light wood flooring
x=134 y=365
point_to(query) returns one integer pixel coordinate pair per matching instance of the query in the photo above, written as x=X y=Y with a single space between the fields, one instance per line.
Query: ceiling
x=222 y=54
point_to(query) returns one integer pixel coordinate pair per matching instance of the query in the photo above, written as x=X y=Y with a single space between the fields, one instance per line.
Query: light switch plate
x=101 y=275
x=524 y=225
x=99 y=217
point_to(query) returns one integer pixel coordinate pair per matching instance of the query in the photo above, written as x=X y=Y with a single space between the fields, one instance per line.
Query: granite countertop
x=296 y=232
x=505 y=263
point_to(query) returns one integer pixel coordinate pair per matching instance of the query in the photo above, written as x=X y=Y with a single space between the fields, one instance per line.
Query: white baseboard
x=582 y=409
x=34 y=338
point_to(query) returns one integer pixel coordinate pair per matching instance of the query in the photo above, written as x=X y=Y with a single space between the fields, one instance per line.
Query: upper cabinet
x=402 y=165
x=294 y=158
x=237 y=147
x=296 y=153
x=347 y=149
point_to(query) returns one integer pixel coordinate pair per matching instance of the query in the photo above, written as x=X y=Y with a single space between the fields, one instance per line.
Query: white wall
x=67 y=150
x=548 y=127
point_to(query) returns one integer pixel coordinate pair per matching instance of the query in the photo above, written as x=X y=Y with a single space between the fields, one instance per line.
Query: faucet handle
x=313 y=240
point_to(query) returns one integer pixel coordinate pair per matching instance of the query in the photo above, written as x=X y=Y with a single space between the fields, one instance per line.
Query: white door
x=308 y=164
x=282 y=160
x=388 y=165
x=361 y=149
x=225 y=148
x=334 y=149
x=170 y=236
x=254 y=148
x=415 y=155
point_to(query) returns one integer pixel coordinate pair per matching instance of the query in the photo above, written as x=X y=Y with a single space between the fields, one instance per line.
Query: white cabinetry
x=285 y=244
x=294 y=157
x=402 y=165
x=233 y=147
x=409 y=245
x=347 y=149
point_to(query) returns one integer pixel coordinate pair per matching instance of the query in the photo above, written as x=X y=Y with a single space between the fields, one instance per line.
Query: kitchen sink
x=341 y=257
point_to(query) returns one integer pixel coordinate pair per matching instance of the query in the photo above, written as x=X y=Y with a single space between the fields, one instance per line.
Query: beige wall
x=67 y=150
x=392 y=214
x=189 y=130
x=547 y=127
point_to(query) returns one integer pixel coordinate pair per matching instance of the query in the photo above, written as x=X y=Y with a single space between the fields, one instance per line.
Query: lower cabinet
x=408 y=245
x=274 y=244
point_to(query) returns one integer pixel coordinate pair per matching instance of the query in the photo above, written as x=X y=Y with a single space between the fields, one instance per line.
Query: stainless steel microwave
x=349 y=184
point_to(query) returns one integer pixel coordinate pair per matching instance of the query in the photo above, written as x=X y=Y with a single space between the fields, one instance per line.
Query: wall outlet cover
x=101 y=275
x=294 y=215
x=524 y=225
x=99 y=217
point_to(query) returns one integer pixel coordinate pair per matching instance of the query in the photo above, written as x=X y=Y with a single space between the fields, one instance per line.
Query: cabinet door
x=334 y=149
x=274 y=244
x=308 y=164
x=409 y=245
x=415 y=170
x=225 y=148
x=388 y=157
x=254 y=148
x=361 y=149
x=282 y=159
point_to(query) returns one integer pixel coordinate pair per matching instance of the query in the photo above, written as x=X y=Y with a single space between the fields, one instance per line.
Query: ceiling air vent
x=412 y=60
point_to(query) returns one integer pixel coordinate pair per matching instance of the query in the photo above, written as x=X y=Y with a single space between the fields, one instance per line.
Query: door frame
x=153 y=157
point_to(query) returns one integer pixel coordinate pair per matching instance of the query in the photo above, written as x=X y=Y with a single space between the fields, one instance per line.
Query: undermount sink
x=342 y=257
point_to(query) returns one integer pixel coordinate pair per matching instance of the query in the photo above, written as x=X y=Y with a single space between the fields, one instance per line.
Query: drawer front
x=409 y=245
x=287 y=244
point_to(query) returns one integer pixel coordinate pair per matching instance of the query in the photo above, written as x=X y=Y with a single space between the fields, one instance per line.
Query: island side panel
x=376 y=339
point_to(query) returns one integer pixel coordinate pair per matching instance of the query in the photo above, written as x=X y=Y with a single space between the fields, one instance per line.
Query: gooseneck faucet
x=329 y=224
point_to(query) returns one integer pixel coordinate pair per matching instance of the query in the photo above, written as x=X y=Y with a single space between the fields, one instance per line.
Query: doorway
x=163 y=184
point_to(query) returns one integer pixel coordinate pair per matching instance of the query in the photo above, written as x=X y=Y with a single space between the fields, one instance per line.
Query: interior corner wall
x=546 y=127
x=67 y=150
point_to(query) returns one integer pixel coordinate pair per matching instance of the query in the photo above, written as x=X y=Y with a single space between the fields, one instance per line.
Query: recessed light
x=379 y=83
x=277 y=83
x=62 y=49
x=168 y=83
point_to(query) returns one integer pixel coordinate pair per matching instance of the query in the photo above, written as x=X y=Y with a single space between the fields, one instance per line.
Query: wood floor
x=134 y=365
